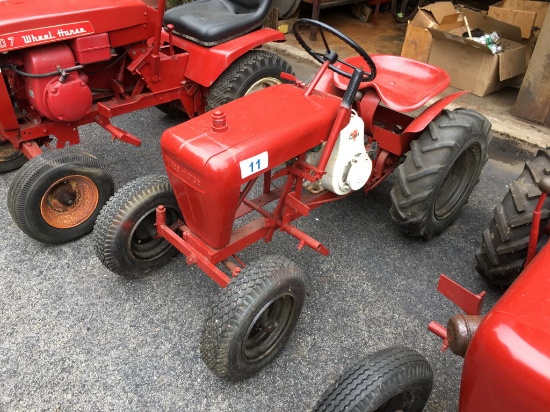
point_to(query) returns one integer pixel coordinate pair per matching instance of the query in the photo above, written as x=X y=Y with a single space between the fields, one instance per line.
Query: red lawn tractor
x=68 y=63
x=506 y=352
x=239 y=173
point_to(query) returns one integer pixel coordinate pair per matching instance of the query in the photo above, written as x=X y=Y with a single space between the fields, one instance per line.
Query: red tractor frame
x=242 y=172
x=506 y=351
x=66 y=64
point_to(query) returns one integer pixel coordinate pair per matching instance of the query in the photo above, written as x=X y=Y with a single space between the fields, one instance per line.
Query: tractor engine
x=53 y=85
x=349 y=166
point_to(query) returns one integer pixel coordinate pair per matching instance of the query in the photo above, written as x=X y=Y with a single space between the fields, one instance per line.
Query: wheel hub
x=69 y=202
x=262 y=84
x=268 y=328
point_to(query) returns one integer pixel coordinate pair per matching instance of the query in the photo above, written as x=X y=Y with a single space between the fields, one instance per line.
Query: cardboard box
x=471 y=65
x=418 y=40
x=522 y=13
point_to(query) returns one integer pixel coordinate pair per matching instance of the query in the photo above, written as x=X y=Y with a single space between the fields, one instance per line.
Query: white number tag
x=253 y=164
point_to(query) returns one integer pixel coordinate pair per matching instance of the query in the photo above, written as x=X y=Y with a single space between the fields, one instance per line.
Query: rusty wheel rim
x=69 y=201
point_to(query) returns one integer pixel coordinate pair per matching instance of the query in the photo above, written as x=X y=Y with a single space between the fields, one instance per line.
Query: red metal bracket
x=193 y=256
x=469 y=302
x=534 y=235
x=460 y=296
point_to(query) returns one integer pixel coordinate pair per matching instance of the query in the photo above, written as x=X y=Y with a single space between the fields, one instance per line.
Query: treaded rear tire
x=503 y=250
x=124 y=233
x=391 y=379
x=257 y=68
x=440 y=171
x=253 y=317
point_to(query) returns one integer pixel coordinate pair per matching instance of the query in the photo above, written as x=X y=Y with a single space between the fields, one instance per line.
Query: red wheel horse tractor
x=66 y=64
x=506 y=352
x=309 y=144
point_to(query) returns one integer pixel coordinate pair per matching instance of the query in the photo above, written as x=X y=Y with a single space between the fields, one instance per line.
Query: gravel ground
x=75 y=337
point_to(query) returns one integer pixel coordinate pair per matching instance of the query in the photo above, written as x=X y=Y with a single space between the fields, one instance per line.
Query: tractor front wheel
x=253 y=71
x=253 y=317
x=125 y=235
x=393 y=379
x=440 y=172
x=10 y=158
x=504 y=244
x=56 y=196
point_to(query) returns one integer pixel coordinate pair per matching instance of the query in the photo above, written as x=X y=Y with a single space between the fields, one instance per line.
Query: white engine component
x=349 y=166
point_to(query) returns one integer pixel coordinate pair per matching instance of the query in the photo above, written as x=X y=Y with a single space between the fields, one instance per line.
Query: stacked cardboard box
x=438 y=35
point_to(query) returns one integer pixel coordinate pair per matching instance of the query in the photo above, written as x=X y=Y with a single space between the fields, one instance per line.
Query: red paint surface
x=507 y=365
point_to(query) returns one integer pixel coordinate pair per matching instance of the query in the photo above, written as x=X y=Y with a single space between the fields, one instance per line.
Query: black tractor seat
x=211 y=22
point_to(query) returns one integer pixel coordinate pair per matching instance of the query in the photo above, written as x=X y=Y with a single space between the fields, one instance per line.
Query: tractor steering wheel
x=329 y=54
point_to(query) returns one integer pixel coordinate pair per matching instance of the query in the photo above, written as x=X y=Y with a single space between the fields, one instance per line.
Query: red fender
x=206 y=64
x=424 y=119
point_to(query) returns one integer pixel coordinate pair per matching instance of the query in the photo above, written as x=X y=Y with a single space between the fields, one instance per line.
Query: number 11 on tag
x=254 y=164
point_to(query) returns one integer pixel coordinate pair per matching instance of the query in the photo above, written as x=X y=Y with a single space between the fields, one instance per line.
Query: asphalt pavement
x=75 y=337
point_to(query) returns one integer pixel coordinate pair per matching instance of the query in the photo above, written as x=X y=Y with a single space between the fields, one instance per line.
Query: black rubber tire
x=440 y=171
x=124 y=233
x=389 y=380
x=36 y=194
x=233 y=345
x=504 y=243
x=253 y=70
x=405 y=10
x=174 y=110
x=10 y=159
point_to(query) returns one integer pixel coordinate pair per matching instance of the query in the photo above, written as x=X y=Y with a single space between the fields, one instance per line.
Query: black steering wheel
x=329 y=54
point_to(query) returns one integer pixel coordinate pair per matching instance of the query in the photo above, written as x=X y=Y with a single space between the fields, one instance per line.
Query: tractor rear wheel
x=10 y=158
x=56 y=196
x=251 y=72
x=252 y=318
x=504 y=244
x=393 y=379
x=440 y=172
x=125 y=236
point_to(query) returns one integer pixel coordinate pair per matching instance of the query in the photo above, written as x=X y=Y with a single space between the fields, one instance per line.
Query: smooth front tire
x=10 y=158
x=440 y=172
x=504 y=243
x=125 y=236
x=251 y=72
x=56 y=196
x=252 y=318
x=393 y=379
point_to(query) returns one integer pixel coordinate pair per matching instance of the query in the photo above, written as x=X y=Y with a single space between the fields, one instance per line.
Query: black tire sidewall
x=501 y=256
x=236 y=308
x=381 y=376
x=32 y=218
x=13 y=164
x=292 y=287
x=121 y=247
x=239 y=77
x=264 y=73
x=414 y=195
x=438 y=225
